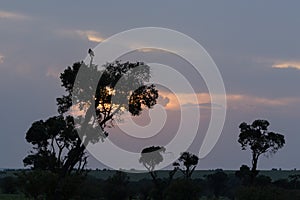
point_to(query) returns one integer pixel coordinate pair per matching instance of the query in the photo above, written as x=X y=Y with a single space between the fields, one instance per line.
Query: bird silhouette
x=91 y=53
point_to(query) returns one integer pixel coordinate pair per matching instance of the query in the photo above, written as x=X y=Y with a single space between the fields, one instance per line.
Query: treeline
x=58 y=158
x=37 y=184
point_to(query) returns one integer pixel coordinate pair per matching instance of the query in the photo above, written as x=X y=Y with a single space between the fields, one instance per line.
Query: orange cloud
x=1 y=58
x=234 y=101
x=13 y=16
x=176 y=101
x=91 y=35
x=286 y=65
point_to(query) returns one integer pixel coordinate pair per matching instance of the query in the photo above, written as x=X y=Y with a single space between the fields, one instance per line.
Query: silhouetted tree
x=260 y=141
x=151 y=157
x=102 y=95
x=187 y=163
x=118 y=86
x=52 y=141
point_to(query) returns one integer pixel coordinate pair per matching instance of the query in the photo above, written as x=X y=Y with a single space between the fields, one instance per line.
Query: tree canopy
x=95 y=101
x=260 y=141
x=187 y=163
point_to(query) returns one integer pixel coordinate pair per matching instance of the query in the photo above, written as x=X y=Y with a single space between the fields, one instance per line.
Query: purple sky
x=255 y=45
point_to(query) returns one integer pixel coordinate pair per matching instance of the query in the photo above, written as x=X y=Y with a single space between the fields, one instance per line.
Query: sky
x=255 y=45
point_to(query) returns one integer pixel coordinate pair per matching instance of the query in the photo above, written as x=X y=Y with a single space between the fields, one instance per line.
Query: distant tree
x=260 y=141
x=187 y=163
x=150 y=158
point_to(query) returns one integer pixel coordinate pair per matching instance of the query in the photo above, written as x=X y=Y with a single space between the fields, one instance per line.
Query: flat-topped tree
x=151 y=157
x=260 y=141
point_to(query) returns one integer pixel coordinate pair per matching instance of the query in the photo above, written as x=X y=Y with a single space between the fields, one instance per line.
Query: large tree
x=96 y=101
x=260 y=141
x=103 y=95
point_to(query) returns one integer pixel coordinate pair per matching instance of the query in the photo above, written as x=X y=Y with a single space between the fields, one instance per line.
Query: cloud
x=53 y=72
x=162 y=100
x=234 y=101
x=91 y=35
x=175 y=101
x=242 y=102
x=1 y=58
x=13 y=15
x=279 y=63
x=203 y=105
x=287 y=65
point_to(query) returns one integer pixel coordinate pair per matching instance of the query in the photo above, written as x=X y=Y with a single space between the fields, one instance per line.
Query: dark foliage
x=187 y=163
x=102 y=94
x=260 y=141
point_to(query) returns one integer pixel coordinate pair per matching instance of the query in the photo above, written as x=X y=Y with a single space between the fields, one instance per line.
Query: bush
x=9 y=185
x=266 y=193
x=182 y=189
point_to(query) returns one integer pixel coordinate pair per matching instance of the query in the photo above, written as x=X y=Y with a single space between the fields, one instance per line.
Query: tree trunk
x=254 y=167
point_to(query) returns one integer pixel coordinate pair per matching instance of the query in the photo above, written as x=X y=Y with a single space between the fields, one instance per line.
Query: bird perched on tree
x=90 y=51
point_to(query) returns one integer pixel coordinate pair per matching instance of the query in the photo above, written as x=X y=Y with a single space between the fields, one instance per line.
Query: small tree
x=187 y=163
x=260 y=141
x=150 y=157
x=53 y=140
